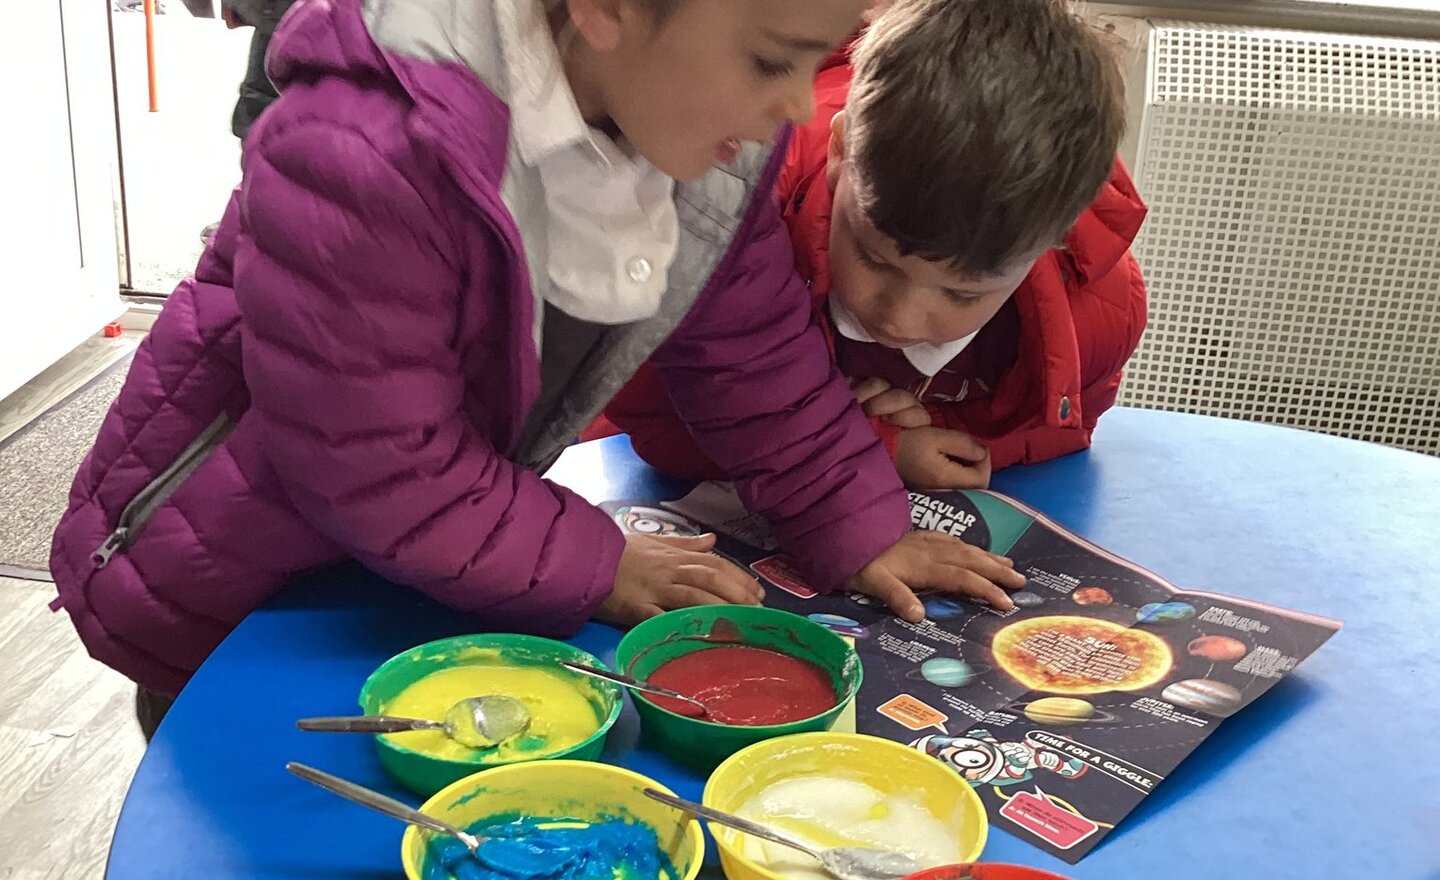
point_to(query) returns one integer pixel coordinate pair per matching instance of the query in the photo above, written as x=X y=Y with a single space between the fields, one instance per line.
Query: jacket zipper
x=157 y=491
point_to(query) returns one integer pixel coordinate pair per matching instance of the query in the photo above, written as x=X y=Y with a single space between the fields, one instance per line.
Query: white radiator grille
x=1293 y=245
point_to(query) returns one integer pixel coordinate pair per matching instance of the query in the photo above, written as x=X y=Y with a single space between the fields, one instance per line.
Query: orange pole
x=150 y=55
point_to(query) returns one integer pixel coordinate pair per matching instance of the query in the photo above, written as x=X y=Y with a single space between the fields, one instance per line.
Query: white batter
x=832 y=811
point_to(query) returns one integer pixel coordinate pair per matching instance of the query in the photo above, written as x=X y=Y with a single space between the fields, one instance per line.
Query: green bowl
x=425 y=773
x=704 y=744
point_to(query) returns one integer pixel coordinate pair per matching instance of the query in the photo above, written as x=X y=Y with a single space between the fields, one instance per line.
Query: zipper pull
x=113 y=544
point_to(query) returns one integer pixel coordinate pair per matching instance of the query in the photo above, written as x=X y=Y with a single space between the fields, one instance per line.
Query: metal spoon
x=634 y=684
x=475 y=722
x=845 y=863
x=380 y=803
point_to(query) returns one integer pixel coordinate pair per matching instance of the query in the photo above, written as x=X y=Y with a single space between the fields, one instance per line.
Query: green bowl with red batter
x=703 y=743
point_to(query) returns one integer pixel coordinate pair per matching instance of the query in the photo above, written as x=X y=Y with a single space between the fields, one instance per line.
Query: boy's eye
x=869 y=260
x=772 y=69
x=962 y=299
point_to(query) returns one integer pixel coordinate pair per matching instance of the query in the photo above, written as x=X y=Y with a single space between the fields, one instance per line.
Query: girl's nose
x=798 y=102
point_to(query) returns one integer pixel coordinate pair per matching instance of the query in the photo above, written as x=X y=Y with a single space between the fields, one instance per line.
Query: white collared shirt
x=612 y=230
x=928 y=359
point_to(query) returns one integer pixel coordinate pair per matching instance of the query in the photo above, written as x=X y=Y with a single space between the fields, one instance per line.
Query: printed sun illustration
x=1080 y=655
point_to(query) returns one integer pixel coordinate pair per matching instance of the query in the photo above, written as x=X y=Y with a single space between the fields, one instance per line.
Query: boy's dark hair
x=980 y=129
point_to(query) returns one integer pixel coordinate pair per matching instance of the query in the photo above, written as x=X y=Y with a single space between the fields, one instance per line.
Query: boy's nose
x=894 y=319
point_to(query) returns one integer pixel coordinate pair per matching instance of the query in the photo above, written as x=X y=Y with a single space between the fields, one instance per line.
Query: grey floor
x=68 y=743
x=68 y=740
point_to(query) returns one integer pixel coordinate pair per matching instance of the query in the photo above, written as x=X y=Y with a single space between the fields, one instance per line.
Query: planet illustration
x=1092 y=596
x=1165 y=612
x=844 y=625
x=1027 y=599
x=654 y=521
x=947 y=672
x=1217 y=649
x=945 y=608
x=1063 y=711
x=1204 y=695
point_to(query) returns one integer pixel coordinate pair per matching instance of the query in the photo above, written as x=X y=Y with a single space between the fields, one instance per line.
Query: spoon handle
x=627 y=681
x=730 y=821
x=373 y=799
x=367 y=724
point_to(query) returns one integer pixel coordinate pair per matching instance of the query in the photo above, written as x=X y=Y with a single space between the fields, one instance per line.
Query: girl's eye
x=772 y=69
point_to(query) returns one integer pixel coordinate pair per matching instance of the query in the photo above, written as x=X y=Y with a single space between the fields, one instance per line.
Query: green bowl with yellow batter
x=571 y=714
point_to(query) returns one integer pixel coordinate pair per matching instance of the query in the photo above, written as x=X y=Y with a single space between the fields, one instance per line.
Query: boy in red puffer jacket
x=957 y=210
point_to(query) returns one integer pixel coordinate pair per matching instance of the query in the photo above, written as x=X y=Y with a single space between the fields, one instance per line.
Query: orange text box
x=912 y=713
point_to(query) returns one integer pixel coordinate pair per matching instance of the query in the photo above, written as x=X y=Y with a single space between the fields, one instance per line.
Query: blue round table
x=1336 y=768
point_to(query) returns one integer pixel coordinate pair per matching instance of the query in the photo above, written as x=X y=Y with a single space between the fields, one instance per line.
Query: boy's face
x=904 y=300
x=684 y=89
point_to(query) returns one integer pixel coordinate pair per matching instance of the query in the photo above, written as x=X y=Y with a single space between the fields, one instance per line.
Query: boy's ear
x=835 y=152
x=597 y=22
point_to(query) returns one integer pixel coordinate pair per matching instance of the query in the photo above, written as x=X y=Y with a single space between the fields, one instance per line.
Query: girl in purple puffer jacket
x=456 y=238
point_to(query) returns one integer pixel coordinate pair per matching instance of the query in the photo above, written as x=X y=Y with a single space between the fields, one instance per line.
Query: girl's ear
x=598 y=22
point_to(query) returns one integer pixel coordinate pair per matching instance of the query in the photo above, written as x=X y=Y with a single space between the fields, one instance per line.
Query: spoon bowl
x=481 y=722
x=474 y=722
x=842 y=863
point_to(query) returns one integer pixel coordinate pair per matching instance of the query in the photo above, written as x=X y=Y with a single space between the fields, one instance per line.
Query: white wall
x=58 y=276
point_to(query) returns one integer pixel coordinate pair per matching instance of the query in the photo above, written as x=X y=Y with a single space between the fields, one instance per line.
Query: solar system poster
x=1063 y=713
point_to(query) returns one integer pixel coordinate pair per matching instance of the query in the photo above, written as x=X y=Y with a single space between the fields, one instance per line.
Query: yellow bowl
x=562 y=790
x=886 y=766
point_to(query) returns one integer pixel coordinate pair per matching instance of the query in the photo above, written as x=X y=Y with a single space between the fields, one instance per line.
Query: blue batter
x=527 y=849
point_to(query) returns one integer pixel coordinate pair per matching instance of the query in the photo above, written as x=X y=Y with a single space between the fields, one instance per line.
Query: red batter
x=746 y=686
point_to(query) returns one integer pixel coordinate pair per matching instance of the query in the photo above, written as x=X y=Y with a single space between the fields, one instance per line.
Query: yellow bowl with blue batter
x=570 y=713
x=560 y=790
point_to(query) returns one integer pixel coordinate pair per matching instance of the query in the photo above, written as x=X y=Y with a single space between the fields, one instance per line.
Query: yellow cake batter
x=561 y=713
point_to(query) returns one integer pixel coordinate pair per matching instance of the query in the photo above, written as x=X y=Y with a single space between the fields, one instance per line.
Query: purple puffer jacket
x=353 y=360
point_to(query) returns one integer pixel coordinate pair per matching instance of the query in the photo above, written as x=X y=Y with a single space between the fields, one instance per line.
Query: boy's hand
x=664 y=573
x=895 y=405
x=937 y=563
x=939 y=458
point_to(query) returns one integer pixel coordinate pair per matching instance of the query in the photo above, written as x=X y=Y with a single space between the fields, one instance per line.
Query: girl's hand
x=659 y=574
x=935 y=563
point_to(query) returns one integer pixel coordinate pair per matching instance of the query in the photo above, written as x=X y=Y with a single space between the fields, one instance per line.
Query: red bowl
x=985 y=871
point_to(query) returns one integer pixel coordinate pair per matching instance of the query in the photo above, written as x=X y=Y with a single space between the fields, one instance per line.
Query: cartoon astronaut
x=981 y=758
x=654 y=521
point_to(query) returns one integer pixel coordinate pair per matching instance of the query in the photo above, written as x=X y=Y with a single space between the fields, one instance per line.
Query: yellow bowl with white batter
x=842 y=789
x=570 y=713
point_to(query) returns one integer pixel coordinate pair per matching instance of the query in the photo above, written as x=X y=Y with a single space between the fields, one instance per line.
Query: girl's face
x=684 y=87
